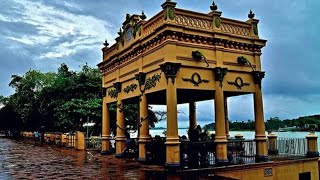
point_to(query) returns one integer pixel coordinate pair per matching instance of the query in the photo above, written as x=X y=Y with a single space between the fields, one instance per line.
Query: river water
x=246 y=134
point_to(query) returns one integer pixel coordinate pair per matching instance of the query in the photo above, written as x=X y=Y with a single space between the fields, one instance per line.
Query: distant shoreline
x=162 y=128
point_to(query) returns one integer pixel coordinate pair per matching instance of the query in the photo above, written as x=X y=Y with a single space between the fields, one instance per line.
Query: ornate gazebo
x=180 y=56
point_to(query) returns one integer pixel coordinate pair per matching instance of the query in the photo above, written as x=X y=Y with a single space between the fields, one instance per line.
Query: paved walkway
x=23 y=160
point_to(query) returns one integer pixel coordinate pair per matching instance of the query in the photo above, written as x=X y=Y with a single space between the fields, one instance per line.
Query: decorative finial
x=251 y=15
x=143 y=16
x=106 y=44
x=120 y=32
x=213 y=7
x=168 y=0
x=127 y=16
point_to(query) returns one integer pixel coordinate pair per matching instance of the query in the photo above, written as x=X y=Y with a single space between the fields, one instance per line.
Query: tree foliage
x=60 y=101
x=273 y=123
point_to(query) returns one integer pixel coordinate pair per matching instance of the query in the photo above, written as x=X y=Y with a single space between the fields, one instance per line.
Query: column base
x=172 y=151
x=311 y=154
x=119 y=155
x=222 y=162
x=273 y=151
x=142 y=160
x=173 y=166
x=105 y=152
x=262 y=158
x=120 y=145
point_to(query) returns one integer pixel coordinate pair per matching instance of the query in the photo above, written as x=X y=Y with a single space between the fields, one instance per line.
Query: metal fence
x=93 y=143
x=241 y=151
x=290 y=148
x=202 y=154
x=197 y=154
x=70 y=140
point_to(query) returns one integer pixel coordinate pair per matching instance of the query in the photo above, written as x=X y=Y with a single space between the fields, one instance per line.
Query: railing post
x=239 y=137
x=272 y=144
x=312 y=145
x=79 y=141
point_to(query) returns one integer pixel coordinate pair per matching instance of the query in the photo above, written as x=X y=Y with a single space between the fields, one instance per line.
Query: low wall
x=76 y=140
x=290 y=169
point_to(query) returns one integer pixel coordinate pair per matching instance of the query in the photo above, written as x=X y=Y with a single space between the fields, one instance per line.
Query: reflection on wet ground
x=23 y=160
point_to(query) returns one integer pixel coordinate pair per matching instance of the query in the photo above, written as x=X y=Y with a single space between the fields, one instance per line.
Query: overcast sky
x=41 y=34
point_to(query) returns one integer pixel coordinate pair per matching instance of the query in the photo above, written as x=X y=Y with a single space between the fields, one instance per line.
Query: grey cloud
x=12 y=61
x=290 y=58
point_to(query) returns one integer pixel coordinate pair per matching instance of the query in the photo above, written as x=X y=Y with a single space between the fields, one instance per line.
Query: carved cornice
x=205 y=22
x=238 y=82
x=160 y=40
x=170 y=70
x=196 y=79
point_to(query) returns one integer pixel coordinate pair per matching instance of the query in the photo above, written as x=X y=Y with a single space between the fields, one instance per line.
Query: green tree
x=60 y=101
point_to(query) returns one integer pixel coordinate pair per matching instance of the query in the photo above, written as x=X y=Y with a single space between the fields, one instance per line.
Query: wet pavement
x=24 y=160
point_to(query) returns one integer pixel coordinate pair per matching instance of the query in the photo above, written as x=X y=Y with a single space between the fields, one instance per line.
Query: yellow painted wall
x=288 y=170
x=80 y=141
x=186 y=73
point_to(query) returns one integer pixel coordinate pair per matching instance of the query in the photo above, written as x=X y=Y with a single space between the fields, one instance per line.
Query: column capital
x=170 y=70
x=219 y=74
x=141 y=78
x=117 y=86
x=104 y=91
x=106 y=137
x=113 y=93
x=258 y=76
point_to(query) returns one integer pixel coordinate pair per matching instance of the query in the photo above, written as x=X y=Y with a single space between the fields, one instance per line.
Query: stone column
x=192 y=116
x=219 y=105
x=172 y=141
x=312 y=145
x=105 y=148
x=227 y=117
x=144 y=135
x=238 y=136
x=120 y=137
x=260 y=136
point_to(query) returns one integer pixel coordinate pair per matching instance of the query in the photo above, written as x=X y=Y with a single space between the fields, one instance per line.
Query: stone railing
x=190 y=19
x=243 y=30
x=194 y=22
x=204 y=21
x=153 y=24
